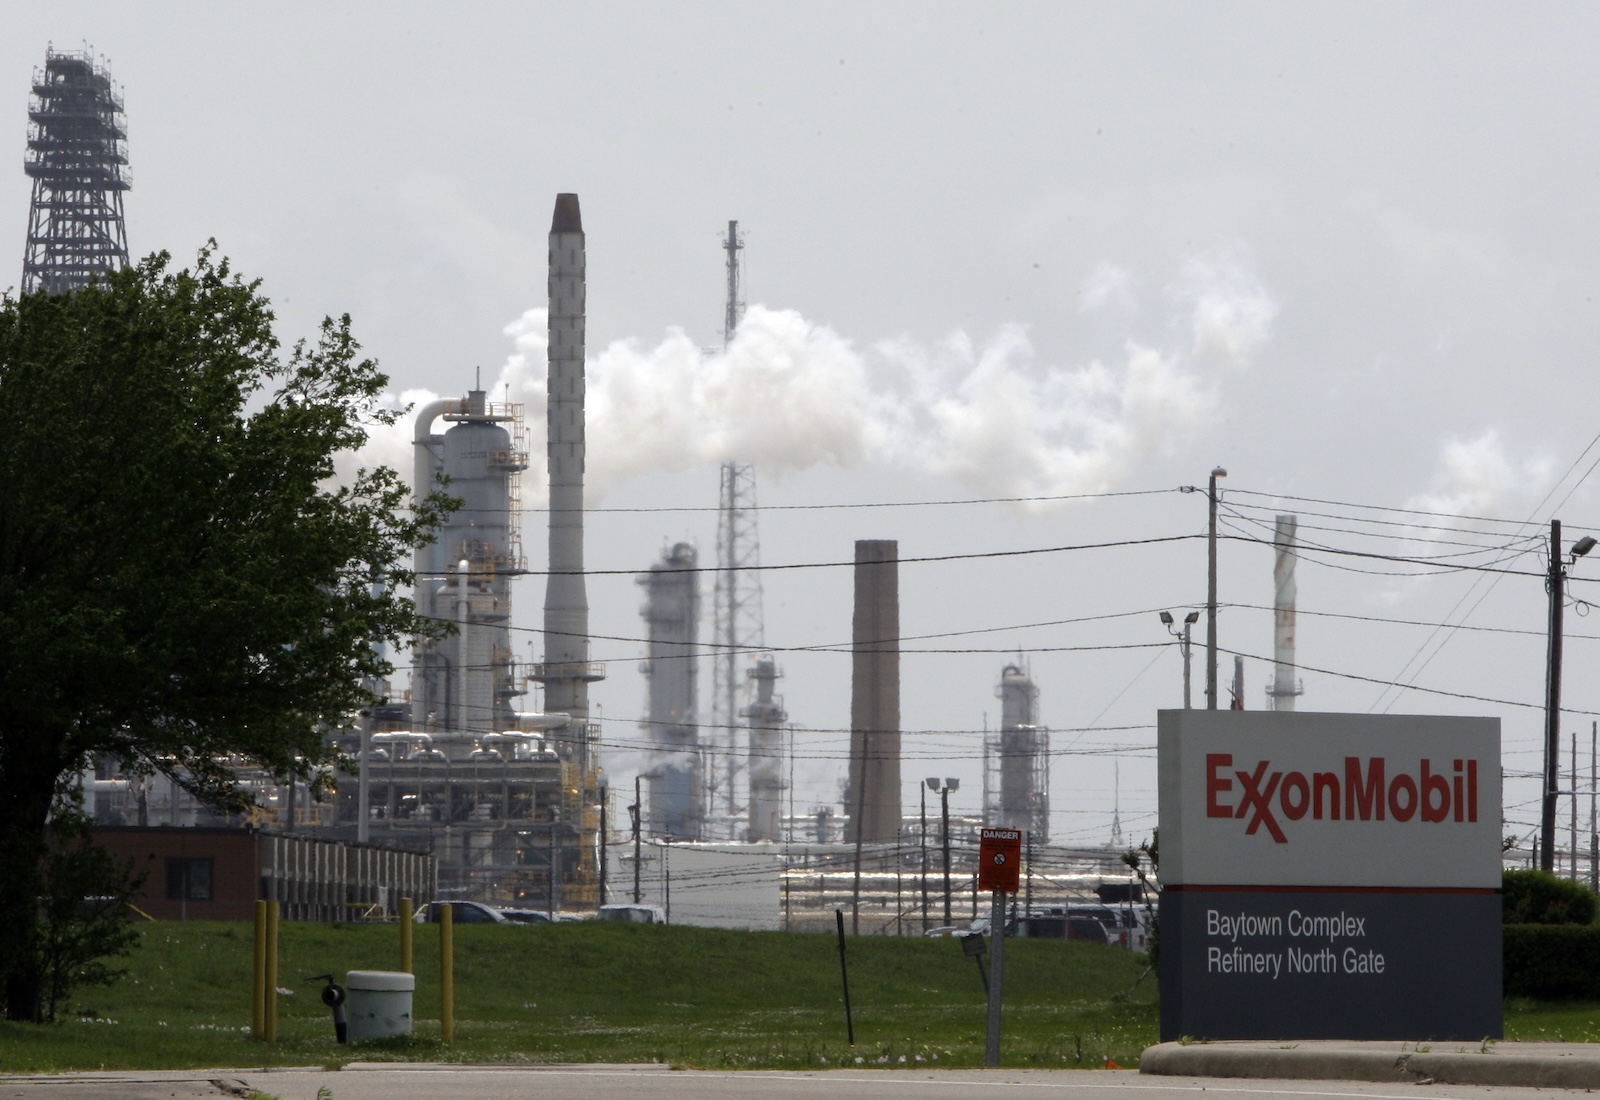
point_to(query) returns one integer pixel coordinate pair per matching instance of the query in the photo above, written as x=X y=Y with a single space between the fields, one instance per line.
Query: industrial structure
x=506 y=799
x=872 y=794
x=77 y=159
x=463 y=684
x=1284 y=687
x=737 y=624
x=767 y=784
x=1016 y=760
x=672 y=730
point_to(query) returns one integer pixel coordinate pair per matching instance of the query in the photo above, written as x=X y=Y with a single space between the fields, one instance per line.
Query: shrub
x=1551 y=961
x=1538 y=897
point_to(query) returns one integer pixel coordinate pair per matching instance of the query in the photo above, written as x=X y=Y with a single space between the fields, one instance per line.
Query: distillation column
x=767 y=718
x=672 y=621
x=1023 y=757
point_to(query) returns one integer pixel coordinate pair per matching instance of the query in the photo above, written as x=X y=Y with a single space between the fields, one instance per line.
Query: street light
x=1556 y=584
x=1211 y=592
x=924 y=837
x=944 y=799
x=1183 y=644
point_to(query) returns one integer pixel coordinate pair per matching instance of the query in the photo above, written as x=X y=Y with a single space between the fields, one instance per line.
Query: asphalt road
x=638 y=1083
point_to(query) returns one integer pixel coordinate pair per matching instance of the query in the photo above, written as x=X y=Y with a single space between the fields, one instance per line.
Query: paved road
x=372 y=1082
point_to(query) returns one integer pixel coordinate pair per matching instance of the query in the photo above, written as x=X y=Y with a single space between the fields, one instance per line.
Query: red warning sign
x=999 y=860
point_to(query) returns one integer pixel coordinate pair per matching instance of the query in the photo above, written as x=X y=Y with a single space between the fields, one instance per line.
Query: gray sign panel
x=1323 y=964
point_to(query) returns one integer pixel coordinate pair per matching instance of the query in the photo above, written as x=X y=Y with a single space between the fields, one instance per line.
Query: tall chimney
x=1284 y=688
x=873 y=792
x=566 y=671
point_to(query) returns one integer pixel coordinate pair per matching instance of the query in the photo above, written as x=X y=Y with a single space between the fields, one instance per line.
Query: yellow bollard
x=405 y=935
x=270 y=1016
x=258 y=978
x=447 y=973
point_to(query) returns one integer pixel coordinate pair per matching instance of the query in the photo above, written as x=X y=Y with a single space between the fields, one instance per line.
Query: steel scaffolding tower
x=736 y=599
x=737 y=627
x=77 y=159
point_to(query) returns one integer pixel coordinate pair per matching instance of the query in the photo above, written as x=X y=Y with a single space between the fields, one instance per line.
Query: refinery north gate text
x=1324 y=946
x=1372 y=792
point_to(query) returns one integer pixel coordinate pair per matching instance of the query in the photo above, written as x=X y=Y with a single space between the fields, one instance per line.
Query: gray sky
x=1032 y=249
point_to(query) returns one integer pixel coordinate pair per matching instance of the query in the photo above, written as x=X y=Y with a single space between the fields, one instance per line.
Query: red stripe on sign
x=1187 y=886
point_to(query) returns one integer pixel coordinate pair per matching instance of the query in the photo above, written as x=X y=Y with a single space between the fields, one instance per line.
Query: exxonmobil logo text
x=1363 y=791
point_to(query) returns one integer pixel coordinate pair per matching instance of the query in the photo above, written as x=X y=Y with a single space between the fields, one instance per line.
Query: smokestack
x=566 y=671
x=1284 y=688
x=874 y=789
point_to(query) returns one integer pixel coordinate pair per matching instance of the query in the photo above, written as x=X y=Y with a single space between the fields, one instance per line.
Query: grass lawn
x=602 y=992
x=1552 y=1021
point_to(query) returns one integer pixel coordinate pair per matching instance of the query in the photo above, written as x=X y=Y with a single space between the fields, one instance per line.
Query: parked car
x=1066 y=924
x=1117 y=933
x=526 y=916
x=634 y=914
x=462 y=912
x=1087 y=929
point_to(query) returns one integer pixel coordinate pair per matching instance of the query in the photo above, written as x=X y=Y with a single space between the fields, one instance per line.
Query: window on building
x=189 y=879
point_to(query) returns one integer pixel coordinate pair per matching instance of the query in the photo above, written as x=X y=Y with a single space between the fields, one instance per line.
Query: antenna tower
x=737 y=625
x=732 y=244
x=77 y=159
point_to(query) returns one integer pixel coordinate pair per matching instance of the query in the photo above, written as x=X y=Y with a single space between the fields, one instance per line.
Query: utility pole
x=1556 y=585
x=1594 y=836
x=1552 y=701
x=1211 y=591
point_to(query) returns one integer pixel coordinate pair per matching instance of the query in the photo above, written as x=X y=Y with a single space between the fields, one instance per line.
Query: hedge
x=1538 y=897
x=1551 y=961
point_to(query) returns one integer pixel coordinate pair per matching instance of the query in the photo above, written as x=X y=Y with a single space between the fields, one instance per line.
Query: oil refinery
x=511 y=803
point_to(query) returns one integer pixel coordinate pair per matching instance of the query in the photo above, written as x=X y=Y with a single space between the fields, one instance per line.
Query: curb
x=1295 y=1063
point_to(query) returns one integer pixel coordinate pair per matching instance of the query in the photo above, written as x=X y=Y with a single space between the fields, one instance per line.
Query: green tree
x=182 y=582
x=84 y=916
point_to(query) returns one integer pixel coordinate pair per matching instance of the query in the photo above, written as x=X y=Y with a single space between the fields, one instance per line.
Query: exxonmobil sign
x=1329 y=876
x=1259 y=798
x=1369 y=787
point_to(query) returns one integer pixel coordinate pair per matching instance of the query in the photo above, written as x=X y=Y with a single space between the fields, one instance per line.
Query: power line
x=1032 y=551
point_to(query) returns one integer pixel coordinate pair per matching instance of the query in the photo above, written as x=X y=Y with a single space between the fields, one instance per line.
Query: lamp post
x=1556 y=584
x=924 y=837
x=1183 y=644
x=944 y=799
x=1211 y=591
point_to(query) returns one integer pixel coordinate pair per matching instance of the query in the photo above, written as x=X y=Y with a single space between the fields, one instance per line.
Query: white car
x=462 y=912
x=635 y=914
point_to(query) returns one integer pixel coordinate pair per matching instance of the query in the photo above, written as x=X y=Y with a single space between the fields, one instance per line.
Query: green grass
x=596 y=992
x=1552 y=1021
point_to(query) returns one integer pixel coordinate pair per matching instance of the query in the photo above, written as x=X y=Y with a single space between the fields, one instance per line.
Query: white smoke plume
x=788 y=394
x=1231 y=312
x=1477 y=477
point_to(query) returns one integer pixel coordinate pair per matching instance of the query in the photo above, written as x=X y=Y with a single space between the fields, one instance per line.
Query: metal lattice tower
x=737 y=626
x=732 y=244
x=77 y=158
x=737 y=629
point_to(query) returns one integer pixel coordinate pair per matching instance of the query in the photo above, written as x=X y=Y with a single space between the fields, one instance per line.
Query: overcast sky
x=993 y=251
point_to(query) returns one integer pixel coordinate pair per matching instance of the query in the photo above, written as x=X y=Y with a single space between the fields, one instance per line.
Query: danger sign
x=999 y=860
